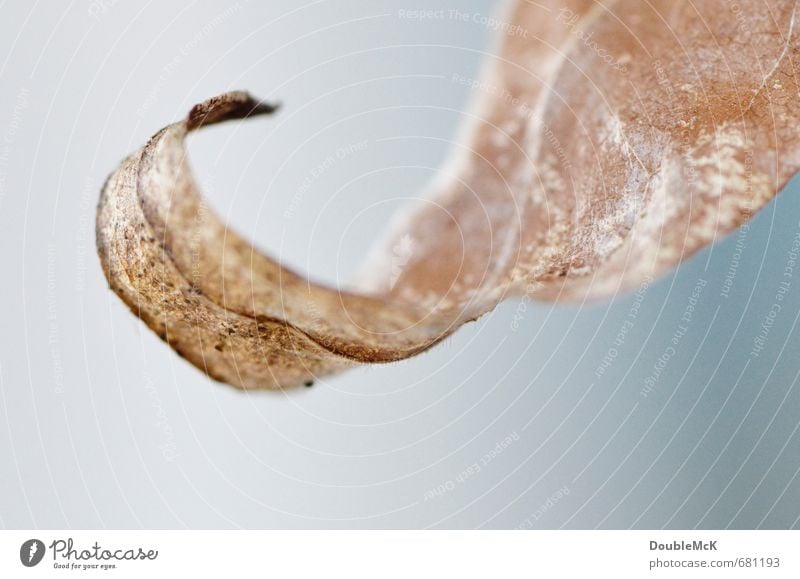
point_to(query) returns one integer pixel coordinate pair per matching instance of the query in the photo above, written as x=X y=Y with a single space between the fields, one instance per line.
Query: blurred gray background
x=103 y=426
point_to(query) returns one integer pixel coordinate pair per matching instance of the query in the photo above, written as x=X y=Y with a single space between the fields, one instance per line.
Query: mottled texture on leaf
x=610 y=141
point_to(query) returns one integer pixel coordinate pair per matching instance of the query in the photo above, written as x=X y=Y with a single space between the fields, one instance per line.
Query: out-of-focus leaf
x=610 y=141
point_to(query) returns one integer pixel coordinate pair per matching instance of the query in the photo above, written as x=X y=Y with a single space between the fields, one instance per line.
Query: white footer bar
x=401 y=554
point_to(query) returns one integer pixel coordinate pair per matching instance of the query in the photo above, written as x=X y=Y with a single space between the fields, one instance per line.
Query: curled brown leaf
x=612 y=140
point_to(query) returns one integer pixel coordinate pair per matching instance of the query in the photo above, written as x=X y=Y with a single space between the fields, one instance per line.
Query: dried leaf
x=612 y=140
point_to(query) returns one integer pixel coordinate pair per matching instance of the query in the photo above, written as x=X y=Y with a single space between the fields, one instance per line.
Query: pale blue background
x=103 y=426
